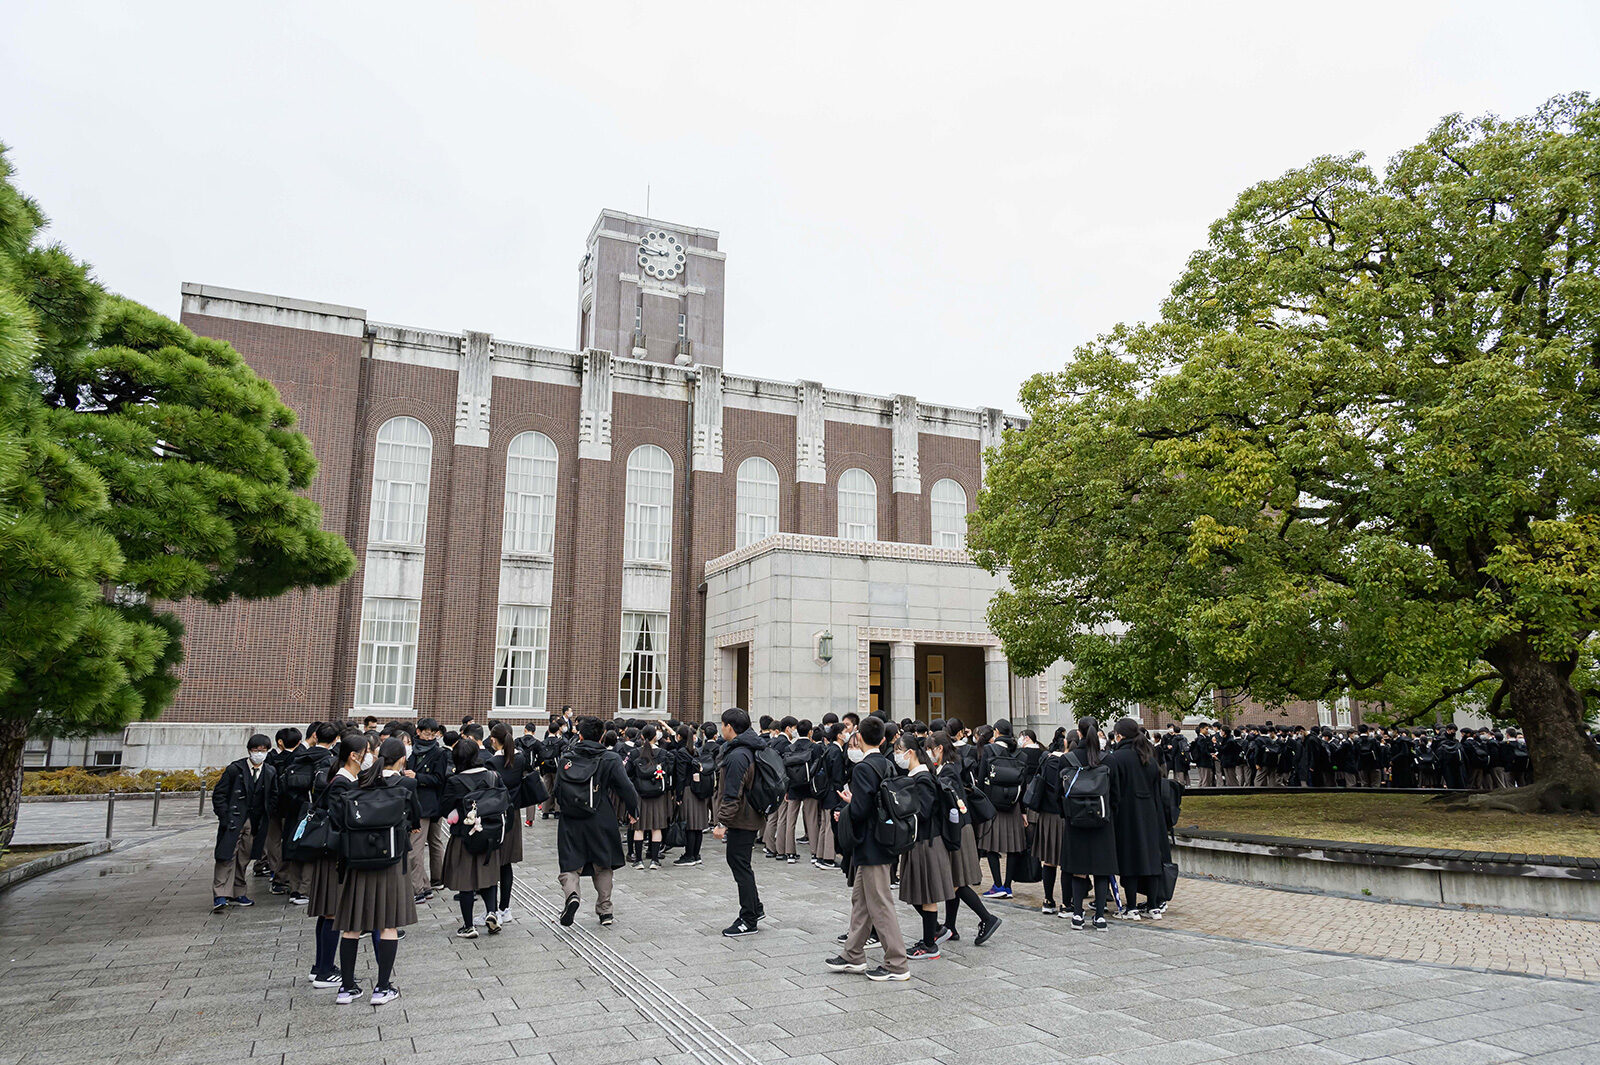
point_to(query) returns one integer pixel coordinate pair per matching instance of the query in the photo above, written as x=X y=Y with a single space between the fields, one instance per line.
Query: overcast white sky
x=925 y=198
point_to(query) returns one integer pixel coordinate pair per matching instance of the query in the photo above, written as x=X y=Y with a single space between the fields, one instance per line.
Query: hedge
x=77 y=781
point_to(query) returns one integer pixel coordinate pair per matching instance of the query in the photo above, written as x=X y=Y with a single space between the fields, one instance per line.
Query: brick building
x=541 y=527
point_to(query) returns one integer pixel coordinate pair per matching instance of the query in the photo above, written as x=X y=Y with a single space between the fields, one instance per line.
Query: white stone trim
x=833 y=545
x=242 y=306
x=719 y=644
x=415 y=347
x=811 y=433
x=907 y=471
x=594 y=407
x=708 y=421
x=474 y=383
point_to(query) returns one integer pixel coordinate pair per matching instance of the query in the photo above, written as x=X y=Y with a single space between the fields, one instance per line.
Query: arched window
x=757 y=503
x=949 y=514
x=400 y=468
x=647 y=530
x=530 y=519
x=858 y=506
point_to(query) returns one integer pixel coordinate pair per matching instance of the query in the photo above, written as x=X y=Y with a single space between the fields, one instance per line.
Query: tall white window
x=647 y=531
x=400 y=470
x=858 y=506
x=521 y=657
x=683 y=326
x=386 y=662
x=757 y=502
x=644 y=662
x=530 y=519
x=949 y=514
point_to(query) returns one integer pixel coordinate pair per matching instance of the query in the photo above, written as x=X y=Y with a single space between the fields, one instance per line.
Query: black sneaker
x=792 y=859
x=298 y=899
x=655 y=864
x=1049 y=909
x=570 y=910
x=492 y=923
x=399 y=934
x=948 y=935
x=1099 y=923
x=349 y=994
x=881 y=975
x=761 y=914
x=801 y=840
x=987 y=929
x=278 y=888
x=923 y=952
x=839 y=965
x=605 y=920
x=1077 y=920
x=684 y=859
x=466 y=931
x=872 y=943
x=739 y=929
x=841 y=937
x=771 y=854
x=326 y=980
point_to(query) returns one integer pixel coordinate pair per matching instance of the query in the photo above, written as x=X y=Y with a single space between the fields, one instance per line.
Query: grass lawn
x=1401 y=820
x=27 y=852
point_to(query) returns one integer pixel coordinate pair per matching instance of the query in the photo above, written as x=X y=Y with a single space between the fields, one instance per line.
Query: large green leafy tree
x=139 y=465
x=1358 y=453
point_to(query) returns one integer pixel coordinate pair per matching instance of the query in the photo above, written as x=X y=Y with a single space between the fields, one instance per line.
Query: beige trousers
x=603 y=880
x=872 y=907
x=228 y=878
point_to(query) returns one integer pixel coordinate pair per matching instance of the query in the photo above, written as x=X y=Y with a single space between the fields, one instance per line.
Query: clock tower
x=652 y=290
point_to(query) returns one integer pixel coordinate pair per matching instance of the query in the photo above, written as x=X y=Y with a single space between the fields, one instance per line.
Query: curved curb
x=28 y=870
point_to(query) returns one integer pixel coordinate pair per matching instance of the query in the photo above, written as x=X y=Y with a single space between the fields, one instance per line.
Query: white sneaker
x=505 y=916
x=1155 y=913
x=1128 y=915
x=381 y=995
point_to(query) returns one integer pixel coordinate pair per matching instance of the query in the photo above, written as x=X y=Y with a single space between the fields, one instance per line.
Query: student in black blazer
x=240 y=803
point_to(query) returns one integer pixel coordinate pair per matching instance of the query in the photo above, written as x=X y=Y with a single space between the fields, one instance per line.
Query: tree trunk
x=13 y=733
x=1566 y=771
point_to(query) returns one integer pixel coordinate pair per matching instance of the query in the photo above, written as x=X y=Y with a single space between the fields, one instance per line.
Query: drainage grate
x=686 y=1028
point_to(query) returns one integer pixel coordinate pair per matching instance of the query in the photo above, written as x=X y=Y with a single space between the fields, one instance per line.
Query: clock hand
x=653 y=251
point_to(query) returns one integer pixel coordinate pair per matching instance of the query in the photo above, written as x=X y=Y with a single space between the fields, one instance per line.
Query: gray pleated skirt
x=696 y=812
x=511 y=849
x=375 y=899
x=925 y=874
x=1047 y=838
x=322 y=878
x=965 y=868
x=1005 y=834
x=654 y=814
x=465 y=871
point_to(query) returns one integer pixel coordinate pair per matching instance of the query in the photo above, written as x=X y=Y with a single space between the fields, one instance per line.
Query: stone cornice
x=832 y=545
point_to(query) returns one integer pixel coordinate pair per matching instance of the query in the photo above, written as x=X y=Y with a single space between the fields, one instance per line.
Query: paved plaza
x=118 y=959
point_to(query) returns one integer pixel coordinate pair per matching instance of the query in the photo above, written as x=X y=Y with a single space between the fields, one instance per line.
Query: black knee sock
x=491 y=897
x=1011 y=863
x=655 y=850
x=465 y=898
x=386 y=951
x=974 y=903
x=930 y=926
x=1049 y=872
x=320 y=965
x=952 y=908
x=691 y=844
x=994 y=867
x=328 y=944
x=505 y=886
x=347 y=960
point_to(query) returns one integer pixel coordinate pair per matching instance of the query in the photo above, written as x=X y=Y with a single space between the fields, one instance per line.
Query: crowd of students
x=362 y=824
x=1283 y=756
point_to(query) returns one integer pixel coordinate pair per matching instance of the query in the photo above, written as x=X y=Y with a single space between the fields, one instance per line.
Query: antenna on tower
x=647 y=201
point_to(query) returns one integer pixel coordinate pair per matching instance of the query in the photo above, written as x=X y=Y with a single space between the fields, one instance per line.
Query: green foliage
x=76 y=781
x=1359 y=447
x=139 y=464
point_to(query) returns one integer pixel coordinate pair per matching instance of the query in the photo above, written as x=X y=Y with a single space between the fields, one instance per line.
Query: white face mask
x=367 y=760
x=856 y=754
x=257 y=757
x=902 y=759
x=408 y=751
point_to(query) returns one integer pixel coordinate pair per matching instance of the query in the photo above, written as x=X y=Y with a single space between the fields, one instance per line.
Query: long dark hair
x=1088 y=744
x=390 y=750
x=351 y=743
x=464 y=755
x=1128 y=729
x=941 y=742
x=500 y=732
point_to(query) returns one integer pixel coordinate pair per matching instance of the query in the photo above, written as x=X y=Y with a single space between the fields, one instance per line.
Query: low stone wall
x=28 y=870
x=1547 y=884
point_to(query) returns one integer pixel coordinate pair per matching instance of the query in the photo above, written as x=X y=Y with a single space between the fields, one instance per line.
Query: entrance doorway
x=950 y=683
x=741 y=677
x=877 y=677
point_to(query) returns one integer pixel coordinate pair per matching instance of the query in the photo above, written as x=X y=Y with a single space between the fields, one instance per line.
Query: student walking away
x=695 y=782
x=960 y=842
x=650 y=773
x=1002 y=774
x=351 y=755
x=507 y=760
x=430 y=763
x=286 y=743
x=1138 y=821
x=1042 y=806
x=752 y=786
x=305 y=777
x=587 y=839
x=476 y=806
x=554 y=743
x=827 y=778
x=1088 y=819
x=240 y=803
x=868 y=862
x=374 y=820
x=926 y=883
x=528 y=747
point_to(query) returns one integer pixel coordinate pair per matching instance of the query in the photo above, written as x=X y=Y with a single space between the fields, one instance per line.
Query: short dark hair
x=291 y=736
x=766 y=722
x=872 y=731
x=738 y=719
x=258 y=742
x=327 y=733
x=589 y=728
x=788 y=723
x=429 y=723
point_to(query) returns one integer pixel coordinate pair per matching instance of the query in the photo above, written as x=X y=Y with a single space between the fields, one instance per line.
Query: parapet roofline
x=263 y=299
x=624 y=216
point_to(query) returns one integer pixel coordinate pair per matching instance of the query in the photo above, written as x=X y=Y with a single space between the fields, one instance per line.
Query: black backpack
x=1171 y=801
x=649 y=777
x=797 y=764
x=298 y=779
x=374 y=833
x=899 y=810
x=314 y=837
x=706 y=766
x=770 y=783
x=578 y=784
x=1086 y=796
x=488 y=808
x=1004 y=782
x=550 y=752
x=952 y=813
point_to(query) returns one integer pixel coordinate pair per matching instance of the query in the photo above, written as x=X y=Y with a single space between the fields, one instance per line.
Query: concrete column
x=996 y=684
x=902 y=681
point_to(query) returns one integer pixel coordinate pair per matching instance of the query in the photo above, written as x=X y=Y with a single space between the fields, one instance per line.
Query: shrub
x=75 y=780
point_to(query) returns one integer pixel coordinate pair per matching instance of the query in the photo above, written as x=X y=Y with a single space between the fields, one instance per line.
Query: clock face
x=660 y=255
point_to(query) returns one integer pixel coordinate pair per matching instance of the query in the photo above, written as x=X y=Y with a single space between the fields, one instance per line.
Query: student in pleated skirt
x=966 y=872
x=511 y=763
x=694 y=780
x=377 y=900
x=469 y=875
x=1044 y=815
x=321 y=876
x=925 y=875
x=830 y=777
x=1007 y=832
x=651 y=774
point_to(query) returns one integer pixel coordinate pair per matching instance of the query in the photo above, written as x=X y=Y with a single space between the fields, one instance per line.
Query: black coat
x=524 y=785
x=830 y=778
x=1137 y=817
x=584 y=844
x=430 y=761
x=237 y=800
x=865 y=778
x=1089 y=851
